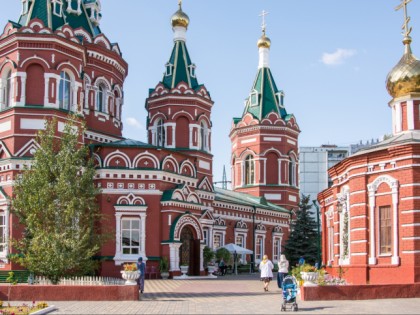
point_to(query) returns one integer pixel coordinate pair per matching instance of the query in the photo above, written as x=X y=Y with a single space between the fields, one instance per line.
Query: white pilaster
x=143 y=232
x=22 y=76
x=395 y=260
x=118 y=234
x=202 y=256
x=410 y=115
x=372 y=257
x=174 y=256
x=398 y=118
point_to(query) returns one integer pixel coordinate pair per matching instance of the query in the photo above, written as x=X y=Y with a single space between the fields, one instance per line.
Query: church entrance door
x=189 y=252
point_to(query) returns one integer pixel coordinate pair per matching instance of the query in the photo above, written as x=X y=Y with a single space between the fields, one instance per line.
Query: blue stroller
x=289 y=288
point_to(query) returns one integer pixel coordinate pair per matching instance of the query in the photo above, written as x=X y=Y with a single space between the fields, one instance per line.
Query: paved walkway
x=242 y=294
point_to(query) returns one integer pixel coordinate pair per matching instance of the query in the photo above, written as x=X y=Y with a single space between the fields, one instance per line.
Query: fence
x=81 y=281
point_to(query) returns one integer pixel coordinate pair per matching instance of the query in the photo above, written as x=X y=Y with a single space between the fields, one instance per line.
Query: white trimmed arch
x=35 y=58
x=146 y=155
x=117 y=154
x=185 y=220
x=188 y=165
x=172 y=161
x=82 y=32
x=374 y=230
x=98 y=159
x=131 y=199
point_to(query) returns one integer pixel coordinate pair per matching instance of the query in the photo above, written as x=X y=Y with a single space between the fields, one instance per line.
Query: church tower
x=265 y=140
x=179 y=108
x=403 y=84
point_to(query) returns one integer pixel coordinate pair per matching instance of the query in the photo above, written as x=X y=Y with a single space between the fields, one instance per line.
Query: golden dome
x=264 y=42
x=180 y=18
x=404 y=78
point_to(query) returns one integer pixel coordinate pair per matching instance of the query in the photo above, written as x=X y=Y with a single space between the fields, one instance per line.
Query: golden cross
x=263 y=25
x=180 y=3
x=405 y=27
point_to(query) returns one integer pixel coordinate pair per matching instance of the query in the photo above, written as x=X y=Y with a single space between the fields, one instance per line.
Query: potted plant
x=184 y=269
x=309 y=275
x=164 y=267
x=130 y=274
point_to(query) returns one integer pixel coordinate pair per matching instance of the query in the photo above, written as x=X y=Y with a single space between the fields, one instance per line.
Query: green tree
x=303 y=237
x=55 y=201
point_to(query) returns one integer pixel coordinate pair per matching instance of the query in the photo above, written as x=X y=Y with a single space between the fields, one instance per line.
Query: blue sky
x=331 y=58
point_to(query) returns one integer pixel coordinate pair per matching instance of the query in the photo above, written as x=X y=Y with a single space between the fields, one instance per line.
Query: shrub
x=208 y=255
x=164 y=264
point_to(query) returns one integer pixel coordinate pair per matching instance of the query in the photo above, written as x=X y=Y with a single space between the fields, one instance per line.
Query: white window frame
x=253 y=98
x=259 y=247
x=169 y=69
x=249 y=174
x=160 y=133
x=8 y=90
x=101 y=94
x=65 y=82
x=124 y=212
x=276 y=238
x=57 y=4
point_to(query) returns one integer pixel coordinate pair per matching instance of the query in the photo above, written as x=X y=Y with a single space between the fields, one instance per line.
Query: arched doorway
x=189 y=252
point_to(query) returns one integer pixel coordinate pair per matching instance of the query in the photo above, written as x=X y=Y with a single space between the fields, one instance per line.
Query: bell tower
x=265 y=139
x=179 y=108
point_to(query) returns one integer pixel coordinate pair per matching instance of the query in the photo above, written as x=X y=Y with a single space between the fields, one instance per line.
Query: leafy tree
x=223 y=253
x=303 y=237
x=55 y=201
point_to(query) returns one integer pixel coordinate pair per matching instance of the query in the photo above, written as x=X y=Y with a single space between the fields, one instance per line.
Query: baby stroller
x=289 y=288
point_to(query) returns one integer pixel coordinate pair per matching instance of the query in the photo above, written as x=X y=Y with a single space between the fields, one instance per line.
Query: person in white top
x=283 y=270
x=266 y=268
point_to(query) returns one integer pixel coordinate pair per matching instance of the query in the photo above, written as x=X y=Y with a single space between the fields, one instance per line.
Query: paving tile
x=242 y=294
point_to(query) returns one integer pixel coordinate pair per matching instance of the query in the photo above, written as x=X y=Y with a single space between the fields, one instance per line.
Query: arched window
x=203 y=136
x=100 y=99
x=64 y=93
x=292 y=172
x=8 y=95
x=249 y=170
x=160 y=133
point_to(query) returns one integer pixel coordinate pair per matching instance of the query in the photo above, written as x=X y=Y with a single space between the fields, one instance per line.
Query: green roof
x=246 y=200
x=180 y=68
x=125 y=143
x=43 y=10
x=265 y=97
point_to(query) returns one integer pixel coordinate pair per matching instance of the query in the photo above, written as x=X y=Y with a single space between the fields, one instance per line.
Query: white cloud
x=337 y=57
x=131 y=121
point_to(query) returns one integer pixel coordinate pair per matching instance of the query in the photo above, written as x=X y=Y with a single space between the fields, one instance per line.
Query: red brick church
x=370 y=215
x=158 y=194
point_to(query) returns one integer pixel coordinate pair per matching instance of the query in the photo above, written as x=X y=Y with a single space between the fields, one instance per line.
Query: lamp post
x=319 y=233
x=253 y=239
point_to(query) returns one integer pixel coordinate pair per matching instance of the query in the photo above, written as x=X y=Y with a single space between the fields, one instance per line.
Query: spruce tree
x=55 y=201
x=303 y=237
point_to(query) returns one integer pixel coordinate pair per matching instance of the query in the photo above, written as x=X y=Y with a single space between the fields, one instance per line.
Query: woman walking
x=283 y=270
x=266 y=268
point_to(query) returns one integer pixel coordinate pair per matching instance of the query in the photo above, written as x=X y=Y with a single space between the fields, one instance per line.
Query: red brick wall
x=23 y=292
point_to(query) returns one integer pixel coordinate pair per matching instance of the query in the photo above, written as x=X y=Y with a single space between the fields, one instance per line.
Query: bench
x=150 y=271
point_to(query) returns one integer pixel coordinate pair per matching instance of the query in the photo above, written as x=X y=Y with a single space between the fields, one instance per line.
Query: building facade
x=370 y=216
x=158 y=195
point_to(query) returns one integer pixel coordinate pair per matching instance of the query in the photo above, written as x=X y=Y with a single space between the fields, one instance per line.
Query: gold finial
x=263 y=25
x=407 y=30
x=179 y=18
x=264 y=41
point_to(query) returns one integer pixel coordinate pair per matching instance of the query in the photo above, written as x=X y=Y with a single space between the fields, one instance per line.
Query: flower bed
x=25 y=292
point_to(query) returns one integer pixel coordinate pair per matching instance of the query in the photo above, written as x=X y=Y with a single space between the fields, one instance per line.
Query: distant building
x=314 y=163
